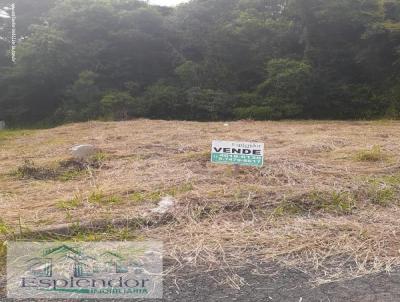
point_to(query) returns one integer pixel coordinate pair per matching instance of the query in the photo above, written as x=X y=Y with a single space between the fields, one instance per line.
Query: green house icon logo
x=78 y=263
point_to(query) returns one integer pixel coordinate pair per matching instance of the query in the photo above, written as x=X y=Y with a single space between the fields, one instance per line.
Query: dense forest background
x=205 y=60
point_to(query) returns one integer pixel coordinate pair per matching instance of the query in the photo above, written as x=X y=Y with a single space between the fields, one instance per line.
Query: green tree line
x=205 y=60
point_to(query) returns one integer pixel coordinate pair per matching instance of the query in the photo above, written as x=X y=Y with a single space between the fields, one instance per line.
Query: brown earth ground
x=326 y=201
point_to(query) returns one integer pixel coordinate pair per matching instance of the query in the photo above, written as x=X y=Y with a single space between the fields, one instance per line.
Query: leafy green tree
x=208 y=104
x=189 y=74
x=120 y=105
x=31 y=90
x=205 y=60
x=163 y=101
x=286 y=89
x=82 y=99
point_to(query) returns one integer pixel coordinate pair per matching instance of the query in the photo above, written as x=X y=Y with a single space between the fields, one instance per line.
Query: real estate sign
x=238 y=153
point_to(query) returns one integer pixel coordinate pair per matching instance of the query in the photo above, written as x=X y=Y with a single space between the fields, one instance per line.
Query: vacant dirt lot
x=325 y=202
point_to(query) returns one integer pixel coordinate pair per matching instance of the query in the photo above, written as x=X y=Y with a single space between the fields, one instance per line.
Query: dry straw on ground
x=326 y=201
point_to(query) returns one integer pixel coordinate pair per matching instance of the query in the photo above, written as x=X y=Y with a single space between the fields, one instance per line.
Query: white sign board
x=238 y=153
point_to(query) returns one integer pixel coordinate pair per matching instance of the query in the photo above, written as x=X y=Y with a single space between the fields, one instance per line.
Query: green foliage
x=208 y=104
x=189 y=74
x=286 y=87
x=140 y=197
x=181 y=189
x=99 y=197
x=372 y=155
x=98 y=158
x=83 y=98
x=71 y=175
x=207 y=60
x=383 y=196
x=287 y=208
x=393 y=180
x=4 y=228
x=337 y=202
x=163 y=101
x=120 y=105
x=255 y=113
x=155 y=196
x=286 y=76
x=9 y=134
x=384 y=190
x=70 y=204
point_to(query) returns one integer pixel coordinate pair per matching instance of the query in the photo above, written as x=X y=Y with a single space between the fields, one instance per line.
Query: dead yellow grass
x=314 y=205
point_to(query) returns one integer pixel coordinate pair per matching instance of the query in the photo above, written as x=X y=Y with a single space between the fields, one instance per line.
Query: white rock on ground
x=164 y=205
x=83 y=151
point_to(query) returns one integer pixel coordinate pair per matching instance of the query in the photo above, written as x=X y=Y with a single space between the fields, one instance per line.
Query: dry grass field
x=326 y=200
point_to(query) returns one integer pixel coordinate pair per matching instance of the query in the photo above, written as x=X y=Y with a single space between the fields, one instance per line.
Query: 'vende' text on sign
x=238 y=153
